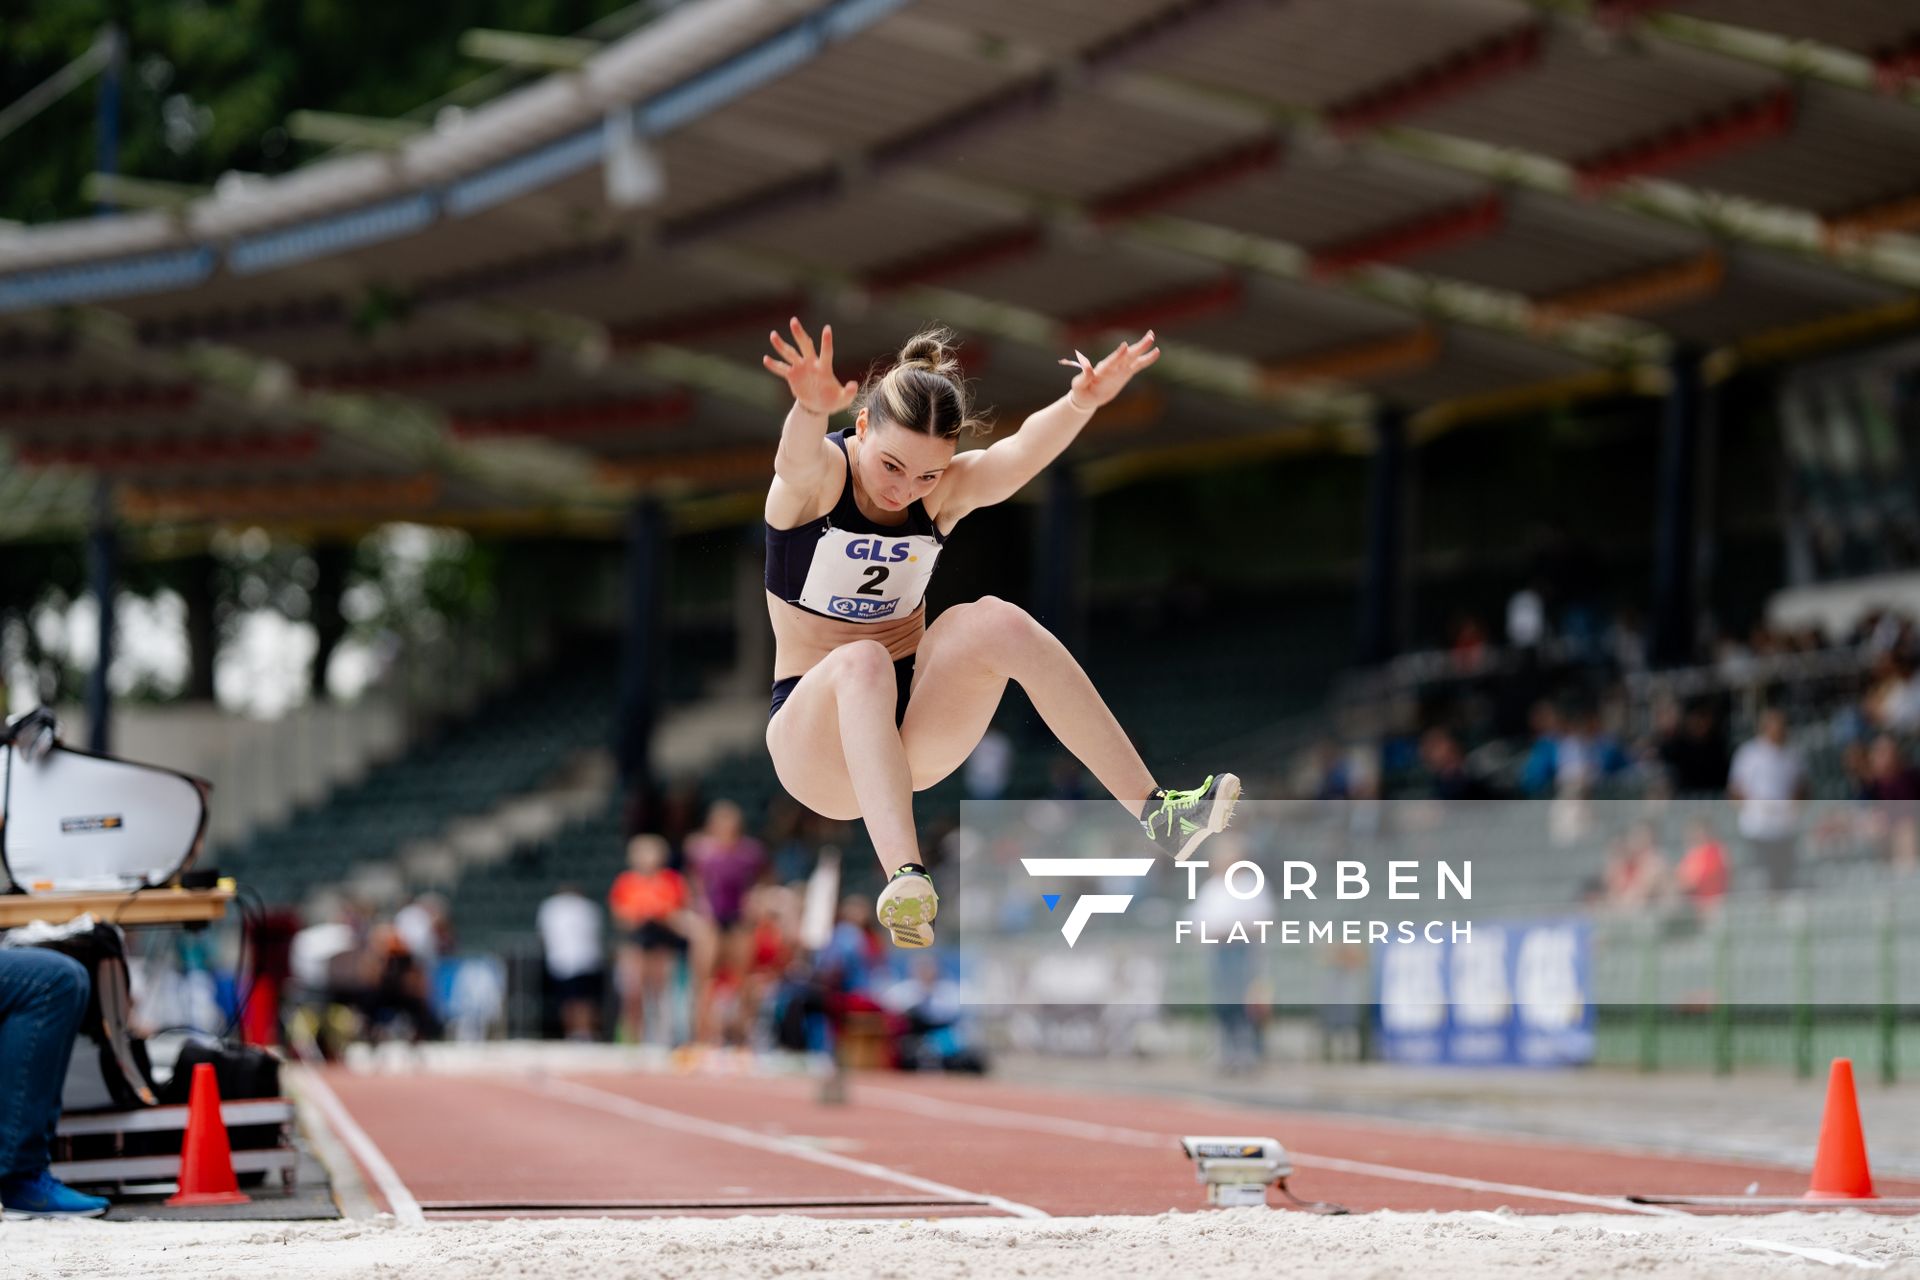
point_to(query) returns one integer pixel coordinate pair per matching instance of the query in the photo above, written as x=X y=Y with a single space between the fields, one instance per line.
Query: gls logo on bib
x=861 y=578
x=879 y=551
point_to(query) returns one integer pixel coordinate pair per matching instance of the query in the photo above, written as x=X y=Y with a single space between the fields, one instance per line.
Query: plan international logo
x=1087 y=905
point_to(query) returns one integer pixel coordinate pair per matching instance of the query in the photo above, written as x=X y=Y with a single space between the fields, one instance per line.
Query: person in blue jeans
x=42 y=997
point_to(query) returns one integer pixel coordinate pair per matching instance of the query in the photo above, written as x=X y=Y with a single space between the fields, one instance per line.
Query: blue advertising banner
x=1518 y=994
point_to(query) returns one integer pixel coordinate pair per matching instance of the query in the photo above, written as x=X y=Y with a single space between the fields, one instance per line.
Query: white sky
x=262 y=668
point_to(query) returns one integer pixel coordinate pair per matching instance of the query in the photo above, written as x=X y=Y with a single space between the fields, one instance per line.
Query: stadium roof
x=537 y=308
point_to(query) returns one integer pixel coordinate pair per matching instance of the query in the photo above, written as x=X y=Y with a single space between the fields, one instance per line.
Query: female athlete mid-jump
x=870 y=704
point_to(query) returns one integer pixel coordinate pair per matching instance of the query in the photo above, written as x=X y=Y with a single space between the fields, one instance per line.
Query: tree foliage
x=209 y=83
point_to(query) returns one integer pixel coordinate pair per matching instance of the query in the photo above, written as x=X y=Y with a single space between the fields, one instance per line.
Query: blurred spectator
x=1893 y=786
x=1330 y=774
x=1527 y=617
x=570 y=942
x=1769 y=780
x=270 y=937
x=935 y=1036
x=673 y=813
x=1467 y=643
x=739 y=995
x=1448 y=777
x=1626 y=641
x=397 y=998
x=793 y=854
x=1893 y=703
x=725 y=862
x=476 y=1003
x=1585 y=755
x=848 y=970
x=990 y=767
x=1889 y=778
x=853 y=952
x=1541 y=770
x=1704 y=874
x=1637 y=872
x=1693 y=752
x=652 y=914
x=424 y=928
x=1216 y=910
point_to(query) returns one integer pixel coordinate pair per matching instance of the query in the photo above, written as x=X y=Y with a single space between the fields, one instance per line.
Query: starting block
x=1238 y=1171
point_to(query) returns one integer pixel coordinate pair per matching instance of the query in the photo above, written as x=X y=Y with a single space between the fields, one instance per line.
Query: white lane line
x=350 y=1190
x=1003 y=1119
x=620 y=1105
x=997 y=1117
x=405 y=1207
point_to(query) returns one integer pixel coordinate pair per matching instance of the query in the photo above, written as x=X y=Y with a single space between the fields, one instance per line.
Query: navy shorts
x=902 y=684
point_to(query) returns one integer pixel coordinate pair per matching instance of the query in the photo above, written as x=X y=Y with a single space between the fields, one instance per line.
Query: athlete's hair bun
x=934 y=350
x=926 y=389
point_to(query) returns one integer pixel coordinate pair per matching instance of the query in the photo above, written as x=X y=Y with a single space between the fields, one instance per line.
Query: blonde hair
x=924 y=391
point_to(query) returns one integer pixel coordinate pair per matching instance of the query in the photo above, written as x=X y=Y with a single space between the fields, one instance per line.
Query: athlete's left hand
x=1097 y=384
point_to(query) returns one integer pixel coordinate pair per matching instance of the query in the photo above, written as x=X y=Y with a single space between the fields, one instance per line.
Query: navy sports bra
x=847 y=567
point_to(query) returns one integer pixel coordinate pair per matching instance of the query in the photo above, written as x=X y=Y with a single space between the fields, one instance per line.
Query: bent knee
x=860 y=660
x=993 y=621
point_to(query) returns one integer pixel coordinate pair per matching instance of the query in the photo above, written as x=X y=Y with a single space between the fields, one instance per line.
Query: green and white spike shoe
x=1177 y=821
x=908 y=905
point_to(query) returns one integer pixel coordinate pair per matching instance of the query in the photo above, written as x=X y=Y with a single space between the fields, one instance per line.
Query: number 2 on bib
x=859 y=577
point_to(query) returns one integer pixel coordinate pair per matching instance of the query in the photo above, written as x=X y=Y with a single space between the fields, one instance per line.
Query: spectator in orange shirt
x=1703 y=874
x=651 y=908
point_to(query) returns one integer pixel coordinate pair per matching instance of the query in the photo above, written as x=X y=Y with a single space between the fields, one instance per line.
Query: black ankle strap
x=907 y=869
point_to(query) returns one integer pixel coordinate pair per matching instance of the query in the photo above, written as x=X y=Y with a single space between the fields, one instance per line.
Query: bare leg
x=655 y=989
x=837 y=751
x=961 y=672
x=630 y=966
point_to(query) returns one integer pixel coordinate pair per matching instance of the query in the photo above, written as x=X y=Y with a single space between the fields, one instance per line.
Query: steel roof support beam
x=522 y=49
x=138 y=193
x=1165 y=307
x=1460 y=72
x=1609 y=340
x=645 y=413
x=1893 y=260
x=1887 y=72
x=335 y=129
x=1428 y=233
x=1743 y=125
x=408 y=434
x=1358 y=361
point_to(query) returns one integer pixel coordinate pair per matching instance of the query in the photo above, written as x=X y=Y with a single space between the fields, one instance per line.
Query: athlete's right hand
x=809 y=373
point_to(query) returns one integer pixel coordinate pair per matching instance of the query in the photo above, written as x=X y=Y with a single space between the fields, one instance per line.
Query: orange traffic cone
x=206 y=1161
x=1840 y=1168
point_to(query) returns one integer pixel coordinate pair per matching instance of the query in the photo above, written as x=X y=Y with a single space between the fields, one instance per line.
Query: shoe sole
x=1226 y=794
x=918 y=934
x=26 y=1215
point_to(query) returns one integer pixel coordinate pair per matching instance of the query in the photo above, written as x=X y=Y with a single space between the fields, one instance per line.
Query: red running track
x=648 y=1145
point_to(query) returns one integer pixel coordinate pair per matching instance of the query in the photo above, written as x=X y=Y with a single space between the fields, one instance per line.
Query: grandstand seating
x=506 y=746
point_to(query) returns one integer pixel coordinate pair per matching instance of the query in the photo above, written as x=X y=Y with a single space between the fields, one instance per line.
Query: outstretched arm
x=996 y=473
x=805 y=460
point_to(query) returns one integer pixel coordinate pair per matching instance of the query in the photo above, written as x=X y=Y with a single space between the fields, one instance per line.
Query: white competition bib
x=864 y=578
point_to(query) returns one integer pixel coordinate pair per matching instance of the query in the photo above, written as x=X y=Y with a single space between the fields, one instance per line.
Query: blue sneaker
x=45 y=1196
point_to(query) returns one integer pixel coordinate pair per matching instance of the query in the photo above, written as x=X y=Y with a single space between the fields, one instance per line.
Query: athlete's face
x=899 y=467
